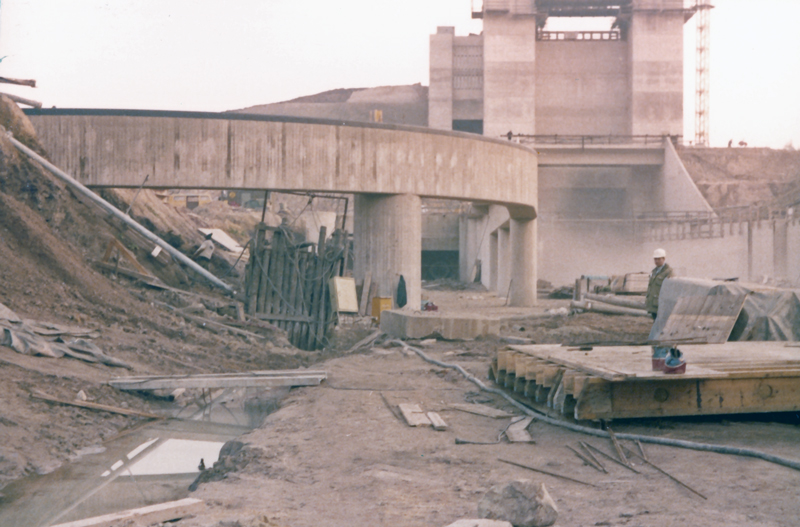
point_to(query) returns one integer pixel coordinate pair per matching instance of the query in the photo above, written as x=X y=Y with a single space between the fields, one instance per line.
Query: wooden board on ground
x=414 y=415
x=479 y=409
x=222 y=380
x=150 y=515
x=437 y=422
x=518 y=432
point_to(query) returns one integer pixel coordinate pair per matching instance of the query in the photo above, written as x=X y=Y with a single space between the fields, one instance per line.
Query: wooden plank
x=362 y=306
x=263 y=286
x=414 y=415
x=518 y=432
x=278 y=300
x=221 y=380
x=554 y=388
x=437 y=422
x=308 y=295
x=316 y=291
x=275 y=256
x=150 y=515
x=296 y=294
x=479 y=409
x=95 y=406
x=594 y=402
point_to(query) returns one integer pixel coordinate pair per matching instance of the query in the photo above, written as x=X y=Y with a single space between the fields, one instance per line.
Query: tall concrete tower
x=519 y=76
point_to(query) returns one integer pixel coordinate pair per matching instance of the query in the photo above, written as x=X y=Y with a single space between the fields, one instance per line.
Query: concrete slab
x=417 y=325
x=480 y=523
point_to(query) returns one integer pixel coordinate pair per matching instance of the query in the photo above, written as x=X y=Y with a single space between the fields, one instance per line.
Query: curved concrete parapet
x=117 y=148
x=388 y=167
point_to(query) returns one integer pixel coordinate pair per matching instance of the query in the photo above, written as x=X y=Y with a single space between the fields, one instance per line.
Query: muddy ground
x=336 y=455
x=333 y=454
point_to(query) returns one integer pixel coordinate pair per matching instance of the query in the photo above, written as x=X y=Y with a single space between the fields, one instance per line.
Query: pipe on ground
x=111 y=209
x=719 y=449
x=602 y=307
x=615 y=300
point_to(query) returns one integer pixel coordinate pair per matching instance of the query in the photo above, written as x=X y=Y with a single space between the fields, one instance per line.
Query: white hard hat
x=659 y=253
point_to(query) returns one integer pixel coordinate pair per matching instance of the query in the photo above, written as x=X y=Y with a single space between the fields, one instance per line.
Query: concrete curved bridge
x=389 y=168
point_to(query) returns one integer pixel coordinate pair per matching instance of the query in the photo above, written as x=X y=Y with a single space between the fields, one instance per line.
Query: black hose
x=719 y=449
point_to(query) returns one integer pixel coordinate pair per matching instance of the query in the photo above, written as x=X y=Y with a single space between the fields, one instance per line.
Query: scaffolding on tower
x=701 y=104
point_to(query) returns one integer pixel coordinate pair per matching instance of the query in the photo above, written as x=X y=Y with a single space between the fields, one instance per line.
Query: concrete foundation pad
x=416 y=325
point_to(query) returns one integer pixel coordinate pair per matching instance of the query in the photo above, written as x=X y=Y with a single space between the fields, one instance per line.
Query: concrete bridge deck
x=388 y=167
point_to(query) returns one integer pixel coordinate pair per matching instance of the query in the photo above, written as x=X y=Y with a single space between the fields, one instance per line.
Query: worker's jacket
x=654 y=287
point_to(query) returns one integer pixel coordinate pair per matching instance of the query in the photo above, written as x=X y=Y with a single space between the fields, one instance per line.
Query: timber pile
x=617 y=382
x=287 y=284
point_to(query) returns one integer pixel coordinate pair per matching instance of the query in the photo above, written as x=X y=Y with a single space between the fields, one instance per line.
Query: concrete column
x=440 y=92
x=523 y=273
x=388 y=243
x=780 y=249
x=493 y=261
x=656 y=47
x=503 y=261
x=509 y=74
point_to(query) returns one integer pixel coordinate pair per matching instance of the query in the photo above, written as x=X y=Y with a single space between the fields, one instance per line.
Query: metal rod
x=670 y=476
x=546 y=472
x=111 y=209
x=128 y=212
x=264 y=209
x=586 y=459
x=620 y=463
x=589 y=453
x=614 y=442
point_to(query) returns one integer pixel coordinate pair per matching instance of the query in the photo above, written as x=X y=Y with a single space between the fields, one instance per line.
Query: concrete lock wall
x=571 y=249
x=393 y=165
x=583 y=87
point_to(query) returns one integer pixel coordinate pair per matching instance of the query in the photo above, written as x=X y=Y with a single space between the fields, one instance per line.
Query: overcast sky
x=210 y=55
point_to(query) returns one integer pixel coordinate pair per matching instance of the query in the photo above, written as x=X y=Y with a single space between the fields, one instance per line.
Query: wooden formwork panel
x=618 y=382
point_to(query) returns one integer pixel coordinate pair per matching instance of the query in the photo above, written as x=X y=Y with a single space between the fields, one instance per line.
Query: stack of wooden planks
x=287 y=284
x=617 y=382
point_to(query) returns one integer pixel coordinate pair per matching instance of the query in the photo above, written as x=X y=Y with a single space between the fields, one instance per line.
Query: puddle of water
x=176 y=456
x=152 y=464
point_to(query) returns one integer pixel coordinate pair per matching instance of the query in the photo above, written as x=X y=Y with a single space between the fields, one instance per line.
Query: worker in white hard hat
x=661 y=272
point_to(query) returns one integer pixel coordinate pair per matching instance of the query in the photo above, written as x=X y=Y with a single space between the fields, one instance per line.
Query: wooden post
x=254 y=265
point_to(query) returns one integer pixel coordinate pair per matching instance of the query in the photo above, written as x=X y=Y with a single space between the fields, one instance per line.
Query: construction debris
x=31 y=337
x=542 y=471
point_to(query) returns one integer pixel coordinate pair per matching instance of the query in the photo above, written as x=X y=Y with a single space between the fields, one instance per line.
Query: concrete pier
x=388 y=243
x=522 y=237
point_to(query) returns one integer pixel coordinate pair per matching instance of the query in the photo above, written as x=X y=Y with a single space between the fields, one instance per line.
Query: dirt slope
x=47 y=239
x=730 y=177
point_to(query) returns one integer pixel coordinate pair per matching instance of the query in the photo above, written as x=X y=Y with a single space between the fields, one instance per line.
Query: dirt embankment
x=730 y=177
x=48 y=239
